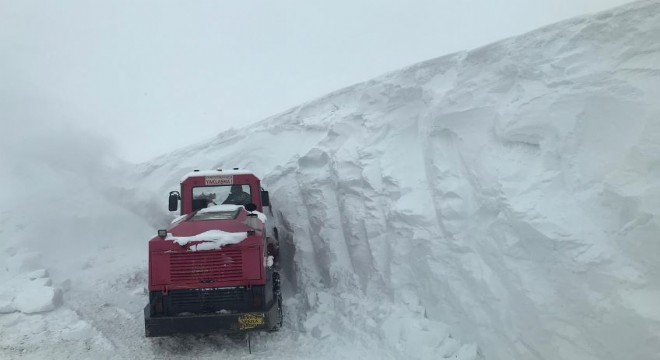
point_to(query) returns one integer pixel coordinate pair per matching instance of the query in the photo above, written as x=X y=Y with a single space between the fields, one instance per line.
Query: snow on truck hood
x=214 y=239
x=211 y=240
x=229 y=208
x=222 y=207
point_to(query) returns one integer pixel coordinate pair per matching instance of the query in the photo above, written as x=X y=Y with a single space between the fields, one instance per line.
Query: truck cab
x=212 y=269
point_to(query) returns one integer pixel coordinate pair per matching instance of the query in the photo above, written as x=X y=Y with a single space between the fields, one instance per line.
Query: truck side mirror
x=174 y=200
x=265 y=200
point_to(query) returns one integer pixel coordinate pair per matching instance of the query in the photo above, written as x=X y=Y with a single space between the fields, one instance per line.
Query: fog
x=157 y=75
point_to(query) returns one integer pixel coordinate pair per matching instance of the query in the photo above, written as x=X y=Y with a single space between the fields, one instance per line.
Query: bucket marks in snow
x=337 y=201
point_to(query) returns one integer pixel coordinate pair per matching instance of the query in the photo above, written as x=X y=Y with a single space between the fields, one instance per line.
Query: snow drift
x=500 y=203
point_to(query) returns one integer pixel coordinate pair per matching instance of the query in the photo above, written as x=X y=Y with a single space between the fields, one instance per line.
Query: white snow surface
x=216 y=172
x=261 y=216
x=220 y=207
x=227 y=207
x=212 y=239
x=500 y=203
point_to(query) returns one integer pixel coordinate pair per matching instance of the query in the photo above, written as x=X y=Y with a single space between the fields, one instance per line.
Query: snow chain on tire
x=278 y=294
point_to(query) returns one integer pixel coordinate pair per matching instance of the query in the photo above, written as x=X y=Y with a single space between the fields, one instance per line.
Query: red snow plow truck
x=213 y=269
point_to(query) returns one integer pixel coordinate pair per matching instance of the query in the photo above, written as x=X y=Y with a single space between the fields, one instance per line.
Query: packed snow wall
x=511 y=192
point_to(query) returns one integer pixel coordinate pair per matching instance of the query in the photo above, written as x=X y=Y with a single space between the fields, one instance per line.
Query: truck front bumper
x=210 y=323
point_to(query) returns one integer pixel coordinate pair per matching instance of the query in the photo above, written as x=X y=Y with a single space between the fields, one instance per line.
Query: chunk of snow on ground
x=42 y=281
x=36 y=274
x=36 y=298
x=29 y=292
x=6 y=303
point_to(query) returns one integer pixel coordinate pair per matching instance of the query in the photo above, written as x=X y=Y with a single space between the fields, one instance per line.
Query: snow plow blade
x=210 y=323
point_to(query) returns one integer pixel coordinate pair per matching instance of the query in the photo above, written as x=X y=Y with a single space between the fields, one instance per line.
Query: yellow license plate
x=251 y=321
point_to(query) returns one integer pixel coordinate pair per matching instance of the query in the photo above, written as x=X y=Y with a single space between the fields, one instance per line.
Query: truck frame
x=214 y=268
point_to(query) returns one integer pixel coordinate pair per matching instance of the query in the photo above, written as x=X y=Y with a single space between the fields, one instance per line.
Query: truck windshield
x=217 y=214
x=236 y=194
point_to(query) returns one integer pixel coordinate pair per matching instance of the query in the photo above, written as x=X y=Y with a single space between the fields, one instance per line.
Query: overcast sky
x=156 y=75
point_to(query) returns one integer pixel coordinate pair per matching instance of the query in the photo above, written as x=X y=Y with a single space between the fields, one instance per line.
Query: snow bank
x=509 y=194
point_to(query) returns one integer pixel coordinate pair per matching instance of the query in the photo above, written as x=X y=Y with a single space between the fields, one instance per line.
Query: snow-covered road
x=500 y=203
